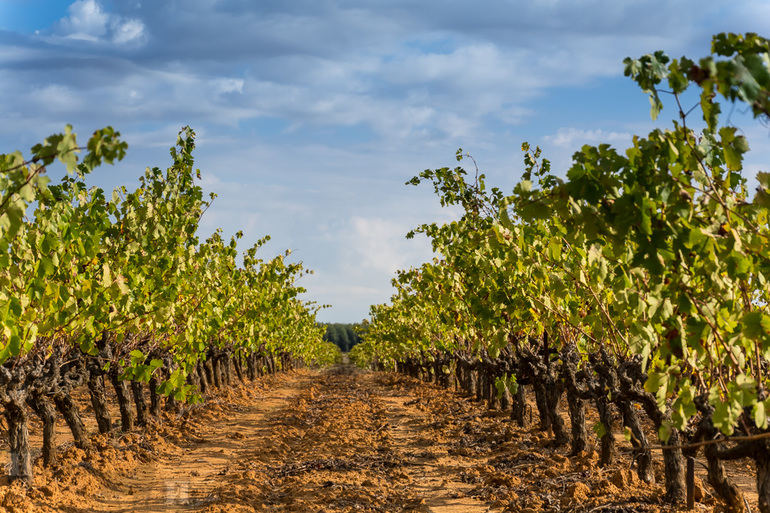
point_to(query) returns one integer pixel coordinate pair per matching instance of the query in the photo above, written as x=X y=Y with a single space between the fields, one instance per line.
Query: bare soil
x=336 y=440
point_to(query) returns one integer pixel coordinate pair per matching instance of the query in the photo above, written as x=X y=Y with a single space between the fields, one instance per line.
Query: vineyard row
x=119 y=289
x=636 y=281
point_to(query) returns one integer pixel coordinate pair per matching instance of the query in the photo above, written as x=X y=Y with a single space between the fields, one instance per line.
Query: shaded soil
x=338 y=440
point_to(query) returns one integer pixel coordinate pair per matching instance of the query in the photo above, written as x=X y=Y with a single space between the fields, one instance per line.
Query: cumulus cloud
x=376 y=244
x=87 y=21
x=229 y=85
x=423 y=74
x=571 y=137
x=127 y=31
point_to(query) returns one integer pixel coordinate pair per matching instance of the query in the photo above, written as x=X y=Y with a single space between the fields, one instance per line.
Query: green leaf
x=47 y=266
x=711 y=109
x=722 y=418
x=733 y=147
x=665 y=430
x=756 y=326
x=762 y=197
x=14 y=345
x=655 y=106
x=137 y=357
x=760 y=413
x=27 y=193
x=106 y=278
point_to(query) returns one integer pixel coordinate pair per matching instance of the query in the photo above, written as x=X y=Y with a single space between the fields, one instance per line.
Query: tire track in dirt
x=436 y=476
x=185 y=480
x=349 y=442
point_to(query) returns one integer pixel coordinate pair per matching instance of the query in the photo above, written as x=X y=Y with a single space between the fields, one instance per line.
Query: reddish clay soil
x=338 y=440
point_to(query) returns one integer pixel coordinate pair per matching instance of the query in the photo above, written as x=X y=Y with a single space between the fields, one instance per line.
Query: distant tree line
x=342 y=335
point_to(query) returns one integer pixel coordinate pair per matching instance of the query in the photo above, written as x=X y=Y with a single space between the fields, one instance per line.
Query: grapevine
x=118 y=290
x=639 y=278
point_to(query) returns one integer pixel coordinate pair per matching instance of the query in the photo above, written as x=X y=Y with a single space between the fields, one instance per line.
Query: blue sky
x=312 y=114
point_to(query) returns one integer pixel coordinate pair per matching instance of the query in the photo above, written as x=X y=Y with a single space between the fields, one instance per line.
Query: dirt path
x=337 y=440
x=349 y=442
x=332 y=440
x=184 y=480
x=435 y=475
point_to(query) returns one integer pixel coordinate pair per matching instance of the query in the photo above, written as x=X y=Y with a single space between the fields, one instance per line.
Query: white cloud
x=126 y=31
x=56 y=98
x=574 y=138
x=515 y=114
x=87 y=21
x=380 y=244
x=229 y=85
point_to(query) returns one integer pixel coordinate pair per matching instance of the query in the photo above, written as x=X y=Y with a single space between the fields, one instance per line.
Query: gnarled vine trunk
x=18 y=435
x=99 y=402
x=154 y=396
x=575 y=401
x=44 y=409
x=71 y=415
x=124 y=398
x=137 y=390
